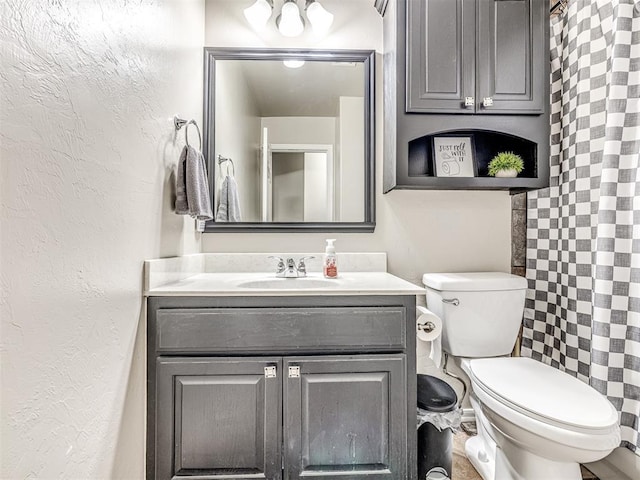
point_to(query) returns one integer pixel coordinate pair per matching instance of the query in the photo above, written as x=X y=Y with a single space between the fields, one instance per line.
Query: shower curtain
x=582 y=313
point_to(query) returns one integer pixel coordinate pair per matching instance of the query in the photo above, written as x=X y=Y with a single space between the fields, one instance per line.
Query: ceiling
x=311 y=90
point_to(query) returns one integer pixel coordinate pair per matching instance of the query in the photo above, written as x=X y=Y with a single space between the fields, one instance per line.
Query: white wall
x=89 y=88
x=310 y=130
x=238 y=136
x=351 y=154
x=422 y=231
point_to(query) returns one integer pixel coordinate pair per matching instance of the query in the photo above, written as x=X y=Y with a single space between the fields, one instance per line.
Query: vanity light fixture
x=259 y=13
x=318 y=16
x=289 y=22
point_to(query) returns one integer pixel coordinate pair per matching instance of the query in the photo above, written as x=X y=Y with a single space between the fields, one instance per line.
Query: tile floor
x=463 y=470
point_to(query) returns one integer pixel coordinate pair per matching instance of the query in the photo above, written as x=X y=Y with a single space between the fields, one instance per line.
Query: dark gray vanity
x=282 y=386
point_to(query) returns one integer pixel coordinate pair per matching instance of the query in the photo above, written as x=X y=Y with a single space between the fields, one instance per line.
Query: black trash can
x=435 y=447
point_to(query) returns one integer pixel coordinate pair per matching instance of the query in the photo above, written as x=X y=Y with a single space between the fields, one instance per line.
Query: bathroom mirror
x=294 y=131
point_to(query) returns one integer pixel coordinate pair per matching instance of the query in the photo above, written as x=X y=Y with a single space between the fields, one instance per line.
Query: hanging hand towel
x=229 y=207
x=198 y=186
x=182 y=206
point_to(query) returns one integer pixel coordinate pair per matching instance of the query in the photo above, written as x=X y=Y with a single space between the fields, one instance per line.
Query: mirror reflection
x=290 y=138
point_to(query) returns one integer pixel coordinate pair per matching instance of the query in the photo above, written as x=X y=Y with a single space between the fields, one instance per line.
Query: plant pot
x=511 y=173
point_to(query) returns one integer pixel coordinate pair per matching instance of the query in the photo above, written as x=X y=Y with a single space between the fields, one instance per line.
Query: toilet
x=534 y=421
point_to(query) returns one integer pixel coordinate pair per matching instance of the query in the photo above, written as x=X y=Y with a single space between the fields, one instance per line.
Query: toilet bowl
x=538 y=422
x=534 y=421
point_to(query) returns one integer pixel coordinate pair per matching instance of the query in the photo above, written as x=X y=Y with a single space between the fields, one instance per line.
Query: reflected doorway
x=300 y=187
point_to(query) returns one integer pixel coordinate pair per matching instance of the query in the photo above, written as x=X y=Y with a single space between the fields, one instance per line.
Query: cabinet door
x=440 y=55
x=218 y=418
x=345 y=417
x=511 y=55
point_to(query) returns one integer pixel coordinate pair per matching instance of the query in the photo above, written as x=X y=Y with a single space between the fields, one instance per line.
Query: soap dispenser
x=330 y=263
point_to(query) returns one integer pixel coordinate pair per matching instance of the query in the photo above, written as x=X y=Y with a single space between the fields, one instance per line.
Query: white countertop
x=188 y=276
x=266 y=284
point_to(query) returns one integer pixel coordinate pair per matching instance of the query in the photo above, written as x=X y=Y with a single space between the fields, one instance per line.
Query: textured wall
x=87 y=148
x=422 y=231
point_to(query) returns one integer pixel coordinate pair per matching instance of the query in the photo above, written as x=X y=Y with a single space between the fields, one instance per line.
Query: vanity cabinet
x=475 y=56
x=281 y=387
x=465 y=68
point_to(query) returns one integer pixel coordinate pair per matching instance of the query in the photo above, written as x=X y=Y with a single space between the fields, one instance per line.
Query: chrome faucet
x=289 y=269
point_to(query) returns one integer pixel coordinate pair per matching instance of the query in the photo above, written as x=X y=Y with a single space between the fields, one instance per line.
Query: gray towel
x=229 y=207
x=192 y=189
x=182 y=206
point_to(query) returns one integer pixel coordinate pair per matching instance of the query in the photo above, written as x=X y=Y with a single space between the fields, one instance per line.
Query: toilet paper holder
x=427 y=327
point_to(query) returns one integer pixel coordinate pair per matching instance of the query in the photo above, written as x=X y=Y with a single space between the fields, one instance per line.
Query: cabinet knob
x=487 y=102
x=469 y=102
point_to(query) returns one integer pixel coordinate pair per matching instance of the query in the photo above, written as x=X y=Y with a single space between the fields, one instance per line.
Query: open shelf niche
x=485 y=145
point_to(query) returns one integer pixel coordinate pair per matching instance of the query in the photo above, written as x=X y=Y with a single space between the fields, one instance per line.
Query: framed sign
x=454 y=157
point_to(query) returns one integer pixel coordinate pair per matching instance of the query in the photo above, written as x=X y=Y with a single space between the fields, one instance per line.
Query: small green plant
x=505 y=161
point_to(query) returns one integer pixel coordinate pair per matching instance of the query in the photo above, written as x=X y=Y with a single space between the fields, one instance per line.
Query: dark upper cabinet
x=441 y=55
x=475 y=56
x=472 y=68
x=511 y=40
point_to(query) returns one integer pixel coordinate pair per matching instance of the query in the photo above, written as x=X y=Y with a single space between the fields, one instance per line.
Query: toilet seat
x=544 y=393
x=507 y=387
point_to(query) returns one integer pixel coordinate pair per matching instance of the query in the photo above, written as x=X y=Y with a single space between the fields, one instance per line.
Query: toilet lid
x=544 y=391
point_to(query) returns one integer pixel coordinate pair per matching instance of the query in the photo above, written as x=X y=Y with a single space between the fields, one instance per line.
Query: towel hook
x=222 y=159
x=181 y=122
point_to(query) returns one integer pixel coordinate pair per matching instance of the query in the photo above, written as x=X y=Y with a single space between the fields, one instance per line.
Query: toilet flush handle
x=453 y=301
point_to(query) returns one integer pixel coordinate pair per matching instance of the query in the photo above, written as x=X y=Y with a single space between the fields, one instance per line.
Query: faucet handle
x=280 y=267
x=302 y=266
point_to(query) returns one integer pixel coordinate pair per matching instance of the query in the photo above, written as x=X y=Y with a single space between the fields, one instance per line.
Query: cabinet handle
x=270 y=372
x=469 y=102
x=487 y=102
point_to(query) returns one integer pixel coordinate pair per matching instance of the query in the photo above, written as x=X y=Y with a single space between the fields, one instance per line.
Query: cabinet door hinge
x=270 y=372
x=294 y=372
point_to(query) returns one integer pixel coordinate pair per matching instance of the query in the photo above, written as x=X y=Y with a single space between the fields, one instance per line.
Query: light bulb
x=290 y=22
x=293 y=63
x=319 y=17
x=258 y=14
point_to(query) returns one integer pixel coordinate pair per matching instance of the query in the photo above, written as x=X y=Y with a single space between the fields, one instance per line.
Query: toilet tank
x=481 y=312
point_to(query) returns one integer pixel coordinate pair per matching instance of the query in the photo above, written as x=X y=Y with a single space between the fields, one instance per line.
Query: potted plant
x=506 y=165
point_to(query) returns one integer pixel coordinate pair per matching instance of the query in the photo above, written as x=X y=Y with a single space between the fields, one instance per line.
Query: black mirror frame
x=367 y=57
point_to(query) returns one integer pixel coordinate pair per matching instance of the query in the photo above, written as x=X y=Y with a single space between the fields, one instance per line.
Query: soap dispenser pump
x=330 y=263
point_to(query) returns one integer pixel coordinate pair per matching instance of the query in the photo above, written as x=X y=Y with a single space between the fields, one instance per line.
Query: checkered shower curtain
x=582 y=313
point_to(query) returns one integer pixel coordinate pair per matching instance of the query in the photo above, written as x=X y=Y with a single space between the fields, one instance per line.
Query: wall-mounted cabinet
x=465 y=65
x=474 y=56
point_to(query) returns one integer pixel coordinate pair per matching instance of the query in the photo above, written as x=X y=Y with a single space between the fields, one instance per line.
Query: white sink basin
x=288 y=283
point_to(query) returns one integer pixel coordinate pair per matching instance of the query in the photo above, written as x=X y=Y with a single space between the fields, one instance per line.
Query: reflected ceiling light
x=293 y=63
x=259 y=13
x=319 y=17
x=289 y=21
